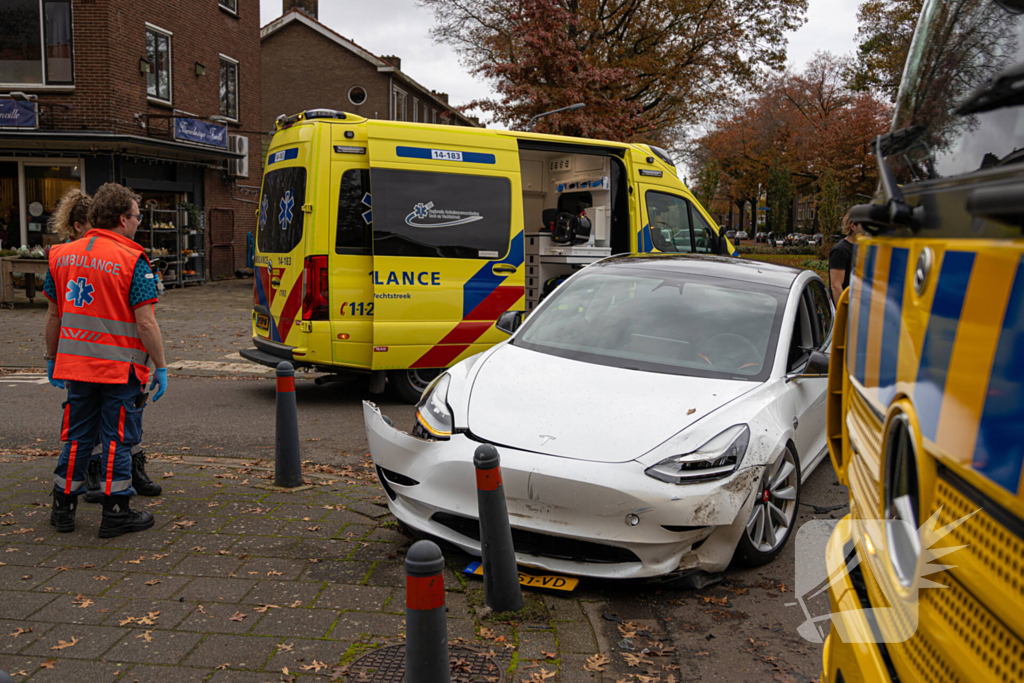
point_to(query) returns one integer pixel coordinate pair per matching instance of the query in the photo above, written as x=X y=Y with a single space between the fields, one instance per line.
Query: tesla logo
x=544 y=438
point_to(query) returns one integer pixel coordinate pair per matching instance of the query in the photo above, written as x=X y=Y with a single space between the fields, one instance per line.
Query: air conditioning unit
x=238 y=168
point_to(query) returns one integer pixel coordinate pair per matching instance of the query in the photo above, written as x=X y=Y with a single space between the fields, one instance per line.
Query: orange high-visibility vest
x=99 y=341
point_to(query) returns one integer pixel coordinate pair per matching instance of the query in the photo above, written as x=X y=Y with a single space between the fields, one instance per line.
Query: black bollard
x=5 y=677
x=501 y=575
x=287 y=465
x=426 y=628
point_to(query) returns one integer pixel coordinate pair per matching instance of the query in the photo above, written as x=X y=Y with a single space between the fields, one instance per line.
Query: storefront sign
x=17 y=114
x=193 y=130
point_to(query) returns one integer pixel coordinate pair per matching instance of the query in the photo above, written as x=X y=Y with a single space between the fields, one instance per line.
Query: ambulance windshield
x=953 y=115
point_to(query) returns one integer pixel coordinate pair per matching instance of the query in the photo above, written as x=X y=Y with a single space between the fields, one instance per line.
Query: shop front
x=30 y=188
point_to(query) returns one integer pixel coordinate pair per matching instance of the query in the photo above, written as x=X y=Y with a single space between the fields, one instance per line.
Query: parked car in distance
x=638 y=415
x=731 y=234
x=816 y=240
x=761 y=237
x=741 y=235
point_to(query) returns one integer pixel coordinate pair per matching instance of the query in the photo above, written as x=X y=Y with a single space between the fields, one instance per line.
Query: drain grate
x=387 y=665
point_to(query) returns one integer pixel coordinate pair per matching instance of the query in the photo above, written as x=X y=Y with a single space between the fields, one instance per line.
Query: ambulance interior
x=557 y=183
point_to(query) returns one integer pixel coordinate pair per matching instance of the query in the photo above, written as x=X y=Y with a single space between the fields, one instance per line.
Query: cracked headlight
x=433 y=416
x=716 y=458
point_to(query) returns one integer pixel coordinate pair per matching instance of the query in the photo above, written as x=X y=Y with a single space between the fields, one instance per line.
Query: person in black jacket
x=840 y=258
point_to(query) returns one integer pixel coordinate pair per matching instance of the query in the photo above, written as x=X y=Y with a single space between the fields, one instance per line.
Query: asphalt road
x=739 y=630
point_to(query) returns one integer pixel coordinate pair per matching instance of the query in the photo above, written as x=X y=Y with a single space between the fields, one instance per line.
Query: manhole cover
x=387 y=665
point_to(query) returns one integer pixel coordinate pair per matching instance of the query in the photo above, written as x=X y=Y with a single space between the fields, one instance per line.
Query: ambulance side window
x=280 y=223
x=441 y=215
x=704 y=235
x=355 y=229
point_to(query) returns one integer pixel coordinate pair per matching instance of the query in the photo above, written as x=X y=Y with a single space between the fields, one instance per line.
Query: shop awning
x=85 y=142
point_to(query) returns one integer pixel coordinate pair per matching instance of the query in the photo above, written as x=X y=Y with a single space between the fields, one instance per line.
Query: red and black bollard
x=426 y=628
x=287 y=463
x=502 y=592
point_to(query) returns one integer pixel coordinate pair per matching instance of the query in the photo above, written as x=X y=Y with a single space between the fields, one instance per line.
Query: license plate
x=262 y=321
x=548 y=581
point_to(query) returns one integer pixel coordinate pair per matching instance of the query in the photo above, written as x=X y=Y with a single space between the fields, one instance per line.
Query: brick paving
x=238 y=583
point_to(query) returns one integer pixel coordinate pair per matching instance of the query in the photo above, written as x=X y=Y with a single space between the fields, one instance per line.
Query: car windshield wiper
x=1005 y=89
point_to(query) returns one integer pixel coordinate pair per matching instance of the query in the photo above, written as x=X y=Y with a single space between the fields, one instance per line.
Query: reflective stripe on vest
x=102 y=325
x=123 y=354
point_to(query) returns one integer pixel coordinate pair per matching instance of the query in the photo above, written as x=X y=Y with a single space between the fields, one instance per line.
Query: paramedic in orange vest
x=100 y=333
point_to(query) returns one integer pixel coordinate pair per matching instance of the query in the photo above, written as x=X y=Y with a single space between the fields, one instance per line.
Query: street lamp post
x=571 y=107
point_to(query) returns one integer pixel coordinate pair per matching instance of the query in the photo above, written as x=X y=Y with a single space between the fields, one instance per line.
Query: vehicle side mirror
x=815 y=366
x=721 y=244
x=509 y=322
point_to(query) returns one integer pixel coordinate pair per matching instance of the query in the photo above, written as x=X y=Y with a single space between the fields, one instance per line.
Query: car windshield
x=660 y=321
x=959 y=48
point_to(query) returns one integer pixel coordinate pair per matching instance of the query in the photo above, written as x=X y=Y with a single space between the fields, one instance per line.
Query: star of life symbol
x=284 y=217
x=264 y=209
x=897 y=621
x=79 y=292
x=368 y=215
x=420 y=210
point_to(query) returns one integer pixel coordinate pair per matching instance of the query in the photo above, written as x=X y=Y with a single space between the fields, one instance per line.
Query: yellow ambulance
x=926 y=384
x=393 y=248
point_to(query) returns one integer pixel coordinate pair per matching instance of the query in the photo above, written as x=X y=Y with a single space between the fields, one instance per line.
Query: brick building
x=161 y=96
x=306 y=65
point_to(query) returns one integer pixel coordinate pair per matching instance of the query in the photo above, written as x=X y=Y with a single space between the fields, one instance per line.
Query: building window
x=36 y=42
x=158 y=54
x=357 y=95
x=228 y=88
x=415 y=110
x=433 y=115
x=398 y=99
x=229 y=5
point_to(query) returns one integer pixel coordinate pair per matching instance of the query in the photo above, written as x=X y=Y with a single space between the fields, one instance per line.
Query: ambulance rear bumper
x=269 y=354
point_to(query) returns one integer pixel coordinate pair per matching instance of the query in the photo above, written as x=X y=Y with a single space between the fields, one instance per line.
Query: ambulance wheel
x=408 y=385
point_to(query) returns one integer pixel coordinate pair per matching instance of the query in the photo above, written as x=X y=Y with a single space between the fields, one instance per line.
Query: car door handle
x=796 y=422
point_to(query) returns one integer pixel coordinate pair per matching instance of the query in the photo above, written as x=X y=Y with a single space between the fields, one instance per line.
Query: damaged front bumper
x=607 y=520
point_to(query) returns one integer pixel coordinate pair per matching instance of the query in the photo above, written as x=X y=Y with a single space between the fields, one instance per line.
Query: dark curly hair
x=73 y=208
x=109 y=203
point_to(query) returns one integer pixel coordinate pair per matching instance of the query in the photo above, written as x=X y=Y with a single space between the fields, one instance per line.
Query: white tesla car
x=655 y=415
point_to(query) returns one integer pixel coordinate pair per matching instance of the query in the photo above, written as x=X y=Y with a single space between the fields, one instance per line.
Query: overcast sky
x=402 y=28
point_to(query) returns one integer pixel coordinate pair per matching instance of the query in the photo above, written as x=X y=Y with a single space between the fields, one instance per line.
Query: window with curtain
x=228 y=88
x=36 y=42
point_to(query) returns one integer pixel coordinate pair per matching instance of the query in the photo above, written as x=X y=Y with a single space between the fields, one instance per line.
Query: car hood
x=537 y=402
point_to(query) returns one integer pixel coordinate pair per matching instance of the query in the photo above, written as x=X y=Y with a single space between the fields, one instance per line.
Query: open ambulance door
x=447 y=244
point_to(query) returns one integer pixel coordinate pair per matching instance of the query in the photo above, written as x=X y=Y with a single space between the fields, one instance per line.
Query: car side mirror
x=509 y=321
x=815 y=366
x=721 y=244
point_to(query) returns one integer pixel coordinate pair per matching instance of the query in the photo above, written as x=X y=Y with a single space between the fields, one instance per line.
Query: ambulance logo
x=264 y=209
x=284 y=217
x=426 y=216
x=80 y=292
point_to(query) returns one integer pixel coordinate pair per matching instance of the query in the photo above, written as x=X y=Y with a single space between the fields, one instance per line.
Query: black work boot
x=94 y=482
x=141 y=482
x=119 y=518
x=62 y=514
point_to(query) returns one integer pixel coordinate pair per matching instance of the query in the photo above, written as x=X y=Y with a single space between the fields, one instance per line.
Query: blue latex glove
x=159 y=380
x=59 y=383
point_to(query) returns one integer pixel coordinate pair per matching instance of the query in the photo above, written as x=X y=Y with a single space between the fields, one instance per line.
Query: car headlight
x=716 y=458
x=432 y=412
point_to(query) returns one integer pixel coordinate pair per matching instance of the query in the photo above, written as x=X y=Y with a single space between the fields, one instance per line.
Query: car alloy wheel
x=410 y=384
x=775 y=505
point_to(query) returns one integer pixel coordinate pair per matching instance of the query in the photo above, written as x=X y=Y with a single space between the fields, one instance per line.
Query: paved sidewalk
x=239 y=583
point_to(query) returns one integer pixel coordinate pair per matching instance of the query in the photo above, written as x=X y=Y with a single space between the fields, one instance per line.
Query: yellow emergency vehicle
x=926 y=400
x=393 y=247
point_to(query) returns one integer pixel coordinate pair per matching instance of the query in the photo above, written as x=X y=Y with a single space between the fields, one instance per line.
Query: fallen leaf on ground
x=596 y=663
x=18 y=631
x=549 y=655
x=146 y=635
x=168 y=475
x=184 y=524
x=153 y=582
x=296 y=603
x=263 y=608
x=710 y=599
x=285 y=648
x=61 y=644
x=315 y=666
x=48 y=664
x=238 y=616
x=273 y=572
x=223 y=666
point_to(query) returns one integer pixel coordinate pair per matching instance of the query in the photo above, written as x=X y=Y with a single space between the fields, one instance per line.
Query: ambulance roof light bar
x=284 y=121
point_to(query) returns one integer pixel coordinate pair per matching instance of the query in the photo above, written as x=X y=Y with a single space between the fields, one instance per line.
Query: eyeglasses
x=136 y=216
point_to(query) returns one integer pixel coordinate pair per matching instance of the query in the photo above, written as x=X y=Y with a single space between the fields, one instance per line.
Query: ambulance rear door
x=283 y=230
x=447 y=242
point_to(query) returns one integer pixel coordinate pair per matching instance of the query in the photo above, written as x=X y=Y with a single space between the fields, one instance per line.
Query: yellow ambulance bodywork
x=928 y=335
x=392 y=310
